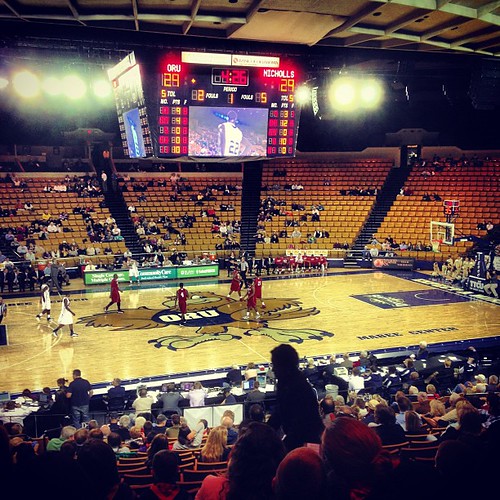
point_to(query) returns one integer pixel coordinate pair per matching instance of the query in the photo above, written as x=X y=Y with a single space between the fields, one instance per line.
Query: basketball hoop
x=435 y=245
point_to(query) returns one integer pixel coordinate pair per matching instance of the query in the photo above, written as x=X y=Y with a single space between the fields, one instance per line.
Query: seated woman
x=414 y=428
x=215 y=449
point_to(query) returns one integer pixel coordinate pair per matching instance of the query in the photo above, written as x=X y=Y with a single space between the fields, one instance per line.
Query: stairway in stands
x=118 y=208
x=385 y=198
x=250 y=203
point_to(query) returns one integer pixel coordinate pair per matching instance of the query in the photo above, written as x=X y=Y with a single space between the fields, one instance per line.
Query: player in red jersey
x=251 y=301
x=114 y=294
x=235 y=284
x=181 y=297
x=257 y=284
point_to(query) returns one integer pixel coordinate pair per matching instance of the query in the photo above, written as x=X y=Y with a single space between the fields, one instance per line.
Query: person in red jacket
x=114 y=294
x=235 y=284
x=257 y=284
x=181 y=297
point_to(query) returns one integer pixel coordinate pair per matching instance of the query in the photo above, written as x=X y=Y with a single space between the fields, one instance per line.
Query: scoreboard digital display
x=226 y=105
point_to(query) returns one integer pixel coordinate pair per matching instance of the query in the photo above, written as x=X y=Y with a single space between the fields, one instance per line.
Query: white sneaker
x=54 y=333
x=246 y=316
x=73 y=334
x=257 y=316
x=38 y=317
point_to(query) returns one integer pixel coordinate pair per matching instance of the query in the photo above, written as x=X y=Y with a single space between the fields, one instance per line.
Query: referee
x=243 y=270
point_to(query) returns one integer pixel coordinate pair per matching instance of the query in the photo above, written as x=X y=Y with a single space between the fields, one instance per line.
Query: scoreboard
x=223 y=105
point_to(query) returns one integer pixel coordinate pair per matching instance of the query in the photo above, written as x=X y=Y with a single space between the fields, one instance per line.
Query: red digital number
x=239 y=77
x=225 y=76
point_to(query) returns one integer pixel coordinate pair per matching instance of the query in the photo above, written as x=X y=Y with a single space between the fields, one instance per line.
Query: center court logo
x=209 y=318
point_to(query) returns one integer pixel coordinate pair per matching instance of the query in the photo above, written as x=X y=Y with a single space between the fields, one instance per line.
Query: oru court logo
x=209 y=317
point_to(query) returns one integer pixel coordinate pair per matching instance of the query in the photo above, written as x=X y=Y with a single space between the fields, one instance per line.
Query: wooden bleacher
x=199 y=238
x=343 y=215
x=55 y=203
x=477 y=189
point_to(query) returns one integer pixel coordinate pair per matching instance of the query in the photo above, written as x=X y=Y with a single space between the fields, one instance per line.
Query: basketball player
x=3 y=309
x=133 y=271
x=66 y=317
x=251 y=301
x=181 y=297
x=114 y=294
x=257 y=284
x=235 y=284
x=230 y=136
x=45 y=303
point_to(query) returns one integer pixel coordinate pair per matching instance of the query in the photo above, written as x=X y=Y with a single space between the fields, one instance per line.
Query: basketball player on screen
x=251 y=301
x=44 y=302
x=230 y=136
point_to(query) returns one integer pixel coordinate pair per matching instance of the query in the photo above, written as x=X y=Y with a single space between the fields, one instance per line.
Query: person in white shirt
x=197 y=395
x=356 y=381
x=45 y=303
x=143 y=403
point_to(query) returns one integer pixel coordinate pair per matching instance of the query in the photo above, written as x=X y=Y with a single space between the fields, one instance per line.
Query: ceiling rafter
x=490 y=30
x=14 y=11
x=74 y=11
x=136 y=14
x=195 y=7
x=353 y=20
x=405 y=20
x=452 y=23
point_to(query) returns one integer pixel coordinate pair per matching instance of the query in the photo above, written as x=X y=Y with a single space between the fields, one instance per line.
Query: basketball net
x=435 y=245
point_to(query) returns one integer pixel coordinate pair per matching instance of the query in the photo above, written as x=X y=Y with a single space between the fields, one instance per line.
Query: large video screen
x=126 y=80
x=226 y=105
x=224 y=131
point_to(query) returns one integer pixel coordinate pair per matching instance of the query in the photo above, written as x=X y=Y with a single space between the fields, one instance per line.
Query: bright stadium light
x=342 y=93
x=371 y=93
x=52 y=86
x=74 y=87
x=3 y=82
x=303 y=95
x=26 y=84
x=102 y=88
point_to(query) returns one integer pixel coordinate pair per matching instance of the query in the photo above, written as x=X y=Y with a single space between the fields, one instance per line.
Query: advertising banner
x=104 y=277
x=159 y=273
x=393 y=263
x=197 y=271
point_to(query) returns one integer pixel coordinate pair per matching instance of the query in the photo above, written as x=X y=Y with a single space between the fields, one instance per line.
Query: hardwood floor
x=344 y=311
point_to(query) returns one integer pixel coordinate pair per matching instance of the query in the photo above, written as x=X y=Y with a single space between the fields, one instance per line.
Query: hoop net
x=435 y=245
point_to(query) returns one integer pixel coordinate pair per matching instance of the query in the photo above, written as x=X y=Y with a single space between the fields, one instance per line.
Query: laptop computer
x=248 y=385
x=4 y=396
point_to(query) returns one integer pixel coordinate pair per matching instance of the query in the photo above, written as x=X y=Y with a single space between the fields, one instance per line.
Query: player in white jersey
x=45 y=303
x=230 y=136
x=66 y=317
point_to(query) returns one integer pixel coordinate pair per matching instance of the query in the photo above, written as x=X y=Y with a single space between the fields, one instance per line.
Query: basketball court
x=345 y=311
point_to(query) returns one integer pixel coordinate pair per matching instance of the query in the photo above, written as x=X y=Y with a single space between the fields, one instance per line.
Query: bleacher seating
x=55 y=203
x=343 y=215
x=476 y=187
x=199 y=238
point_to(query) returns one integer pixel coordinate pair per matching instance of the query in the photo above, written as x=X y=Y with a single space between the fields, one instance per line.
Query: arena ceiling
x=449 y=26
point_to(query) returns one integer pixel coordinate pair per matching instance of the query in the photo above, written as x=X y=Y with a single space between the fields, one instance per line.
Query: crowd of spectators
x=326 y=436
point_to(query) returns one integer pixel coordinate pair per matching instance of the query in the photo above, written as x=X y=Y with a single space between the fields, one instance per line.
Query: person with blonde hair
x=215 y=449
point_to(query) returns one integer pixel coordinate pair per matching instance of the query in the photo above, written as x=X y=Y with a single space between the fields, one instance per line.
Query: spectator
x=254 y=460
x=197 y=395
x=165 y=469
x=215 y=449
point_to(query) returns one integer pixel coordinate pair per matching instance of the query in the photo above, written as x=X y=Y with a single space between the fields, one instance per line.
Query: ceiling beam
x=136 y=14
x=13 y=10
x=405 y=20
x=74 y=11
x=195 y=7
x=452 y=23
x=355 y=19
x=355 y=39
x=490 y=30
x=491 y=42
